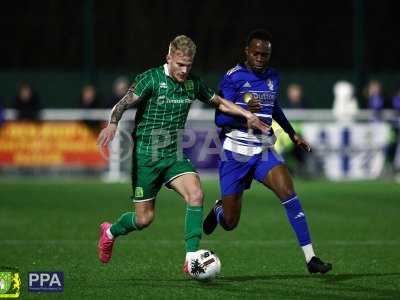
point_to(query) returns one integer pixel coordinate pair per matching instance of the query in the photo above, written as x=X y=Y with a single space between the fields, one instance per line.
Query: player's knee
x=285 y=192
x=230 y=223
x=144 y=220
x=195 y=198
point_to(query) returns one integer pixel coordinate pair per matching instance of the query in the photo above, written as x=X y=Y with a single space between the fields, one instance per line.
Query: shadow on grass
x=279 y=286
x=332 y=284
x=327 y=277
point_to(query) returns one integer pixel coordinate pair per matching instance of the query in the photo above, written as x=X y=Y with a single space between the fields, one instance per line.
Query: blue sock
x=297 y=219
x=219 y=212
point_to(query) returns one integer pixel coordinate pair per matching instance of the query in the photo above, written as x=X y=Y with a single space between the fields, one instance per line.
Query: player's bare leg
x=144 y=213
x=189 y=187
x=225 y=212
x=280 y=182
x=129 y=221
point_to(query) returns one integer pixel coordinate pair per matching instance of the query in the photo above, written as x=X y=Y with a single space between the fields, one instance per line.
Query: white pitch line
x=241 y=242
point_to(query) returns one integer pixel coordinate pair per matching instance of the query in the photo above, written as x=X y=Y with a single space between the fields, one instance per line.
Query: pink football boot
x=185 y=268
x=105 y=244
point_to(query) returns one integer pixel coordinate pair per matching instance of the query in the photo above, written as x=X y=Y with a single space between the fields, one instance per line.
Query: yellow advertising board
x=47 y=144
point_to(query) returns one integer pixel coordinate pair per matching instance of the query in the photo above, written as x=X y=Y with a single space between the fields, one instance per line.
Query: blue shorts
x=237 y=171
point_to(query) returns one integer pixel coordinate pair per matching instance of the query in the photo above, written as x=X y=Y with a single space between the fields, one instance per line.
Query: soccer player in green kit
x=163 y=96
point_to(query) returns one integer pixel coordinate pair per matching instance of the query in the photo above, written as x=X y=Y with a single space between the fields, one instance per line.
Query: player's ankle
x=109 y=234
x=308 y=252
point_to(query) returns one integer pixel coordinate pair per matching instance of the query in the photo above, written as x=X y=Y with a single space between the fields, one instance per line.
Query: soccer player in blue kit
x=249 y=155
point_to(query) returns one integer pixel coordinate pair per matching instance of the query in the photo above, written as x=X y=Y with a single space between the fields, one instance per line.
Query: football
x=204 y=265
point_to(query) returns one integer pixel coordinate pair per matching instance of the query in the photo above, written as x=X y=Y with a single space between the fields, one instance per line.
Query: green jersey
x=163 y=109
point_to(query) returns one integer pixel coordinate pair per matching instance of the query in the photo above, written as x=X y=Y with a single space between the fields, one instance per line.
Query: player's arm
x=206 y=95
x=228 y=91
x=128 y=100
x=279 y=116
x=223 y=120
x=229 y=107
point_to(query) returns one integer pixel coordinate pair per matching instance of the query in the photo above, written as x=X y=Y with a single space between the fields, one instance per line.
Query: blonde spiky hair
x=184 y=44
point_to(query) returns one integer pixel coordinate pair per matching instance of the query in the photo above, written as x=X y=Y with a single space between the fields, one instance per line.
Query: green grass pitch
x=53 y=226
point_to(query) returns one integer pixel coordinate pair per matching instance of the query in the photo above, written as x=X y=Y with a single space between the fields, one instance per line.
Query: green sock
x=193 y=222
x=124 y=225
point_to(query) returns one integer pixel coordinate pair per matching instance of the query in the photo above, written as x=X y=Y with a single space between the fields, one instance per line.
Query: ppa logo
x=46 y=282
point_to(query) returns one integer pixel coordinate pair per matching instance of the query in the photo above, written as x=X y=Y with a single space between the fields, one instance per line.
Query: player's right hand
x=106 y=135
x=254 y=105
x=254 y=122
x=300 y=142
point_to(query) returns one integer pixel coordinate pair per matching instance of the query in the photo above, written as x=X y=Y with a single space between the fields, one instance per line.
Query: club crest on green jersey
x=189 y=86
x=138 y=192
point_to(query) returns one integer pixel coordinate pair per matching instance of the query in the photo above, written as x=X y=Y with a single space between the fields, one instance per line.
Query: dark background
x=97 y=40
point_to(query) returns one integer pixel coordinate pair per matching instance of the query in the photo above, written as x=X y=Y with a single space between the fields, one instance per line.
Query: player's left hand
x=254 y=122
x=300 y=142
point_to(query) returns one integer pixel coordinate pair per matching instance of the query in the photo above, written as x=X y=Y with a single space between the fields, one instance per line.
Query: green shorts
x=149 y=175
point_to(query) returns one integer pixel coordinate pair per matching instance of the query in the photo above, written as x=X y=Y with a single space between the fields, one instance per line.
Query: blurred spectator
x=27 y=103
x=295 y=100
x=345 y=106
x=295 y=97
x=89 y=100
x=120 y=87
x=375 y=98
x=88 y=97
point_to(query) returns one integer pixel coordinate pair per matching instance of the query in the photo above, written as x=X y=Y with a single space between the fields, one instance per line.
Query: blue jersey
x=238 y=82
x=264 y=87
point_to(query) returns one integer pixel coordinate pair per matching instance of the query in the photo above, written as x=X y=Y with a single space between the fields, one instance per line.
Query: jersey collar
x=166 y=71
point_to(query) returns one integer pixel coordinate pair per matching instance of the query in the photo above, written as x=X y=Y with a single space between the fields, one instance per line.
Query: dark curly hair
x=258 y=34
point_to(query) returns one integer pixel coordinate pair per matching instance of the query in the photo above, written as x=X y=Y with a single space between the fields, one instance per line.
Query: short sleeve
x=203 y=92
x=143 y=85
x=227 y=88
